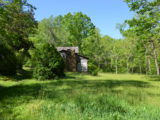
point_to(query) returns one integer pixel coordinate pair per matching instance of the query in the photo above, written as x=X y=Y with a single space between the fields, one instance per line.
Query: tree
x=80 y=27
x=146 y=26
x=16 y=24
x=48 y=62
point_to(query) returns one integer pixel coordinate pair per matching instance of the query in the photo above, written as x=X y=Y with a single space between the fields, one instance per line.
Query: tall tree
x=16 y=24
x=146 y=26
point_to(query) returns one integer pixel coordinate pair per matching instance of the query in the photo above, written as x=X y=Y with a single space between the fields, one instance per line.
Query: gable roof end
x=68 y=48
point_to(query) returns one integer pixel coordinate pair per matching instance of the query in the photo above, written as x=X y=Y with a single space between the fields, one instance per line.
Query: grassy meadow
x=80 y=97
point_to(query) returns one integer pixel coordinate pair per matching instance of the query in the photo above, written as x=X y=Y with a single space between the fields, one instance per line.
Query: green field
x=81 y=97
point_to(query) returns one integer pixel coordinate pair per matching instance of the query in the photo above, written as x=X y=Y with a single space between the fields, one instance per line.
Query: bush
x=8 y=61
x=48 y=63
x=92 y=69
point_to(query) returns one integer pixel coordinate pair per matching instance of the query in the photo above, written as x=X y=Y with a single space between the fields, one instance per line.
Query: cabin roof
x=68 y=48
x=82 y=56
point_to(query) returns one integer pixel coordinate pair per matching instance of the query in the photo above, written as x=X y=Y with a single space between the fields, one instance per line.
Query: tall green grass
x=81 y=97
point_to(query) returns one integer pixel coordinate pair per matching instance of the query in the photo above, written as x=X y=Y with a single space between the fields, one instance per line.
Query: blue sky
x=105 y=14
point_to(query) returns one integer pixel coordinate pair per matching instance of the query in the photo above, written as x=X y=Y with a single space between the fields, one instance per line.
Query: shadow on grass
x=154 y=78
x=19 y=90
x=107 y=83
x=69 y=77
x=21 y=75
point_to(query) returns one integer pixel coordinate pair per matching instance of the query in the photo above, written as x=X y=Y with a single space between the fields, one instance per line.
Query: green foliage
x=141 y=42
x=67 y=30
x=16 y=24
x=93 y=69
x=79 y=26
x=45 y=33
x=48 y=63
x=8 y=61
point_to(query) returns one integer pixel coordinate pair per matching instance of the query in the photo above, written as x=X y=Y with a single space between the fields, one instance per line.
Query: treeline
x=144 y=35
x=139 y=50
x=26 y=42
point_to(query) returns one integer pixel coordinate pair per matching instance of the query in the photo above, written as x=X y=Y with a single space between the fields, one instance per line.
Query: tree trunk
x=156 y=62
x=155 y=58
x=116 y=66
x=140 y=69
x=128 y=64
x=146 y=60
x=149 y=65
x=127 y=67
x=111 y=65
x=132 y=70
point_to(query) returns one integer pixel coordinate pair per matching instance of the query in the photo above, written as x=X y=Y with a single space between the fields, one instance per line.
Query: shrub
x=48 y=63
x=92 y=69
x=8 y=61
